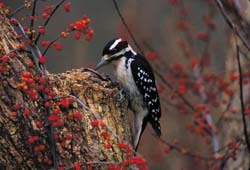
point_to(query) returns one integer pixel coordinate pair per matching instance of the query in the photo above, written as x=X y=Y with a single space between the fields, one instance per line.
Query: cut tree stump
x=69 y=119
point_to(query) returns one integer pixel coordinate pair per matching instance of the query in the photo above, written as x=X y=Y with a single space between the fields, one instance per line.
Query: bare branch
x=48 y=19
x=232 y=25
x=33 y=15
x=126 y=26
x=242 y=99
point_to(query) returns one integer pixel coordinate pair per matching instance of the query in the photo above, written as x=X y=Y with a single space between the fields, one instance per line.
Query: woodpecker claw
x=121 y=95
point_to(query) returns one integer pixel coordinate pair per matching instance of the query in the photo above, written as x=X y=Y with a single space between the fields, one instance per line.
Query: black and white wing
x=145 y=82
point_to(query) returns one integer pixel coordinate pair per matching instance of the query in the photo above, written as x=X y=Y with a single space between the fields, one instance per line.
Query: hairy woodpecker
x=136 y=77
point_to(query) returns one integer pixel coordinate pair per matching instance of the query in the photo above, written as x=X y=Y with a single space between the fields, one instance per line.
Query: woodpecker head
x=114 y=50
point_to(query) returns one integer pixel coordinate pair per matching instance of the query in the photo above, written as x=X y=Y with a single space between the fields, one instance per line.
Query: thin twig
x=12 y=51
x=205 y=156
x=126 y=26
x=172 y=146
x=179 y=95
x=48 y=19
x=33 y=20
x=242 y=100
x=34 y=56
x=96 y=73
x=245 y=129
x=231 y=24
x=16 y=11
x=218 y=122
x=50 y=44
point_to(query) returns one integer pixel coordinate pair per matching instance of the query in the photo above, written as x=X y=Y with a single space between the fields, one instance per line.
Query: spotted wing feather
x=145 y=82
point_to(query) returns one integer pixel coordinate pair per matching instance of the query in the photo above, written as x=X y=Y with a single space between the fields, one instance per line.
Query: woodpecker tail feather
x=157 y=127
x=139 y=129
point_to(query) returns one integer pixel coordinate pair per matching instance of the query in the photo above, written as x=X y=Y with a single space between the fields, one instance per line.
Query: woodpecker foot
x=121 y=95
x=107 y=77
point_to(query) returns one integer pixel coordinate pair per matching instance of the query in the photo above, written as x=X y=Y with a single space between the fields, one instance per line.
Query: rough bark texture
x=37 y=116
x=233 y=127
x=237 y=11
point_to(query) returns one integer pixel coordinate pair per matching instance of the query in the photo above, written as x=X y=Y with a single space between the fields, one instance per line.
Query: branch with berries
x=57 y=121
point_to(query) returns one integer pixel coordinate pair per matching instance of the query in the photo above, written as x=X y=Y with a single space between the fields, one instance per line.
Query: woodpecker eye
x=113 y=51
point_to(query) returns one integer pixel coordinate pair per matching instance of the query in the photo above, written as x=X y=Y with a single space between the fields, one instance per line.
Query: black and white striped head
x=114 y=50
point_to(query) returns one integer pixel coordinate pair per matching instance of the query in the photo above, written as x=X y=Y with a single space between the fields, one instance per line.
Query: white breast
x=125 y=77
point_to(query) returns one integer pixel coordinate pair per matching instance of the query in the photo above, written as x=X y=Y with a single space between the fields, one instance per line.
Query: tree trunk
x=56 y=120
x=232 y=128
x=237 y=13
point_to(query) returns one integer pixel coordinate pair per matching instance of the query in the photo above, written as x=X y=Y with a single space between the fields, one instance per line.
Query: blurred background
x=161 y=28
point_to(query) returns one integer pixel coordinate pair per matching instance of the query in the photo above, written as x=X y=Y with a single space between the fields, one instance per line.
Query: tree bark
x=69 y=119
x=236 y=13
x=232 y=128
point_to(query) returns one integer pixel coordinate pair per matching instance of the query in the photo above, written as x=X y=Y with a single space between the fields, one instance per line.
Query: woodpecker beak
x=102 y=62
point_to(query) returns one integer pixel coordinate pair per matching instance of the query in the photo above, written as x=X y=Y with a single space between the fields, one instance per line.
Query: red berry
x=45 y=15
x=108 y=145
x=42 y=59
x=14 y=114
x=78 y=116
x=53 y=118
x=57 y=46
x=38 y=123
x=234 y=76
x=41 y=147
x=167 y=149
x=95 y=123
x=66 y=7
x=30 y=64
x=47 y=104
x=182 y=89
x=77 y=165
x=44 y=43
x=32 y=139
x=218 y=157
x=16 y=106
x=21 y=45
x=202 y=36
x=68 y=136
x=77 y=35
x=151 y=55
x=182 y=25
x=57 y=123
x=5 y=59
x=91 y=32
x=14 y=21
x=55 y=111
x=1 y=4
x=31 y=17
x=26 y=112
x=88 y=37
x=42 y=30
x=47 y=9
